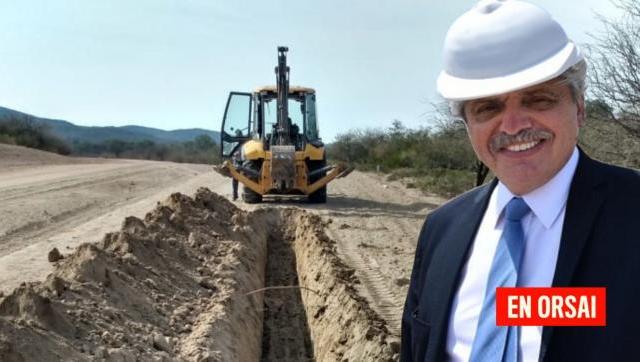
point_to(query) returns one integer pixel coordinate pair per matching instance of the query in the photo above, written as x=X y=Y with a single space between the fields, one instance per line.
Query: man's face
x=526 y=136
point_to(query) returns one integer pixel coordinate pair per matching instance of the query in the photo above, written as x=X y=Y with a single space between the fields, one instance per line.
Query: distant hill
x=73 y=133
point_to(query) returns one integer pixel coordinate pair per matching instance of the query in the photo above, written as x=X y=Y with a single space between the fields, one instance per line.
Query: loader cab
x=302 y=120
x=254 y=116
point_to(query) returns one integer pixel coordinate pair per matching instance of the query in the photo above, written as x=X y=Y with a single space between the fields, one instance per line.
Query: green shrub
x=7 y=139
x=439 y=161
x=446 y=182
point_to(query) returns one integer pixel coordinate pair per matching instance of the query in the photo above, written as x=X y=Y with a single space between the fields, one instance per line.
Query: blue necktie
x=494 y=343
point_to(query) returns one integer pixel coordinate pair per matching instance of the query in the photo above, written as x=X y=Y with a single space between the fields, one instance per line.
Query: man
x=234 y=187
x=553 y=217
x=237 y=163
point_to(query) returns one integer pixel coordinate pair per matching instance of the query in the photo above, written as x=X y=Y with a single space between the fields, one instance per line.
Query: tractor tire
x=248 y=195
x=320 y=195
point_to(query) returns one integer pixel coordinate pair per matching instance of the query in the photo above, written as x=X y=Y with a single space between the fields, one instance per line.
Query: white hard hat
x=500 y=46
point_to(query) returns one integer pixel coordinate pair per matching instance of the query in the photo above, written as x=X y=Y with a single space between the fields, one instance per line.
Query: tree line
x=202 y=149
x=25 y=131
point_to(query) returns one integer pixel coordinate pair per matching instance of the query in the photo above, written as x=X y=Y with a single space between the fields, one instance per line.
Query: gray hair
x=574 y=77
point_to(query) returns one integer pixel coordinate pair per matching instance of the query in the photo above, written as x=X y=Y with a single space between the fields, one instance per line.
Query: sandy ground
x=53 y=201
x=376 y=224
x=48 y=203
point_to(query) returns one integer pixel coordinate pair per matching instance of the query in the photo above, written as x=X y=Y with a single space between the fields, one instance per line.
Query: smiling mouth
x=521 y=147
x=525 y=140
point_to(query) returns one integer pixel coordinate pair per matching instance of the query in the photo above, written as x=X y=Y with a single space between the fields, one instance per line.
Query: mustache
x=503 y=140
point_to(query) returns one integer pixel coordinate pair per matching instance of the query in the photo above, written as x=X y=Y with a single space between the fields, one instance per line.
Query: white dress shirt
x=542 y=230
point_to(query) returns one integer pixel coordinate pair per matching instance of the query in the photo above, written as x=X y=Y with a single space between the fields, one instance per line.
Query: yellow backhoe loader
x=271 y=144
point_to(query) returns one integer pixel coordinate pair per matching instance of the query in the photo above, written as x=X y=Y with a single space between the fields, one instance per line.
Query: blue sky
x=170 y=64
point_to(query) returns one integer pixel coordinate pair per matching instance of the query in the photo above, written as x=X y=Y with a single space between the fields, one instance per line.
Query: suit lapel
x=446 y=266
x=584 y=201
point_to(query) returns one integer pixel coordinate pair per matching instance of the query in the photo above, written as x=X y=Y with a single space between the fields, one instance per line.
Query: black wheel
x=320 y=196
x=248 y=195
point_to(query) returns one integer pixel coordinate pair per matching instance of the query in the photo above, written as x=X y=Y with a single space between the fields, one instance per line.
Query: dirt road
x=52 y=201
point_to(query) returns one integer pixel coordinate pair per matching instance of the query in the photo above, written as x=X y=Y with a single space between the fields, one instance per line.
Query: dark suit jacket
x=600 y=246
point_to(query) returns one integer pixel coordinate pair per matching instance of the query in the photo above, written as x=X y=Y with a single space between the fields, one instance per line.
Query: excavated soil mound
x=198 y=280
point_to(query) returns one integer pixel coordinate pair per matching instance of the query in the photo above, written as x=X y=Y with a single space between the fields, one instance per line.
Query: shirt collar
x=548 y=200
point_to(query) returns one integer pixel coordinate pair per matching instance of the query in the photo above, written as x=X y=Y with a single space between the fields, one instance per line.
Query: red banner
x=551 y=307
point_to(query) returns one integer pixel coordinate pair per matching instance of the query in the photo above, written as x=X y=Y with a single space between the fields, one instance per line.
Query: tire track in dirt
x=30 y=263
x=376 y=225
x=384 y=299
x=96 y=194
x=74 y=182
x=9 y=240
x=63 y=205
x=66 y=188
x=28 y=175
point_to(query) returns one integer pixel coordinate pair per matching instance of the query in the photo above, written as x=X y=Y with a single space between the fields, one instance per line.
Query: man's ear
x=581 y=111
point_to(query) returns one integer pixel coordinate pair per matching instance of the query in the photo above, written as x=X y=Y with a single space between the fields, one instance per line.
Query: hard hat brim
x=461 y=89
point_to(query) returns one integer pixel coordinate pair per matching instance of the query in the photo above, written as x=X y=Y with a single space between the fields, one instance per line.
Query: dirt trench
x=198 y=280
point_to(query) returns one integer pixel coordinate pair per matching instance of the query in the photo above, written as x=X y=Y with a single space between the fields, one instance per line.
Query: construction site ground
x=172 y=265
